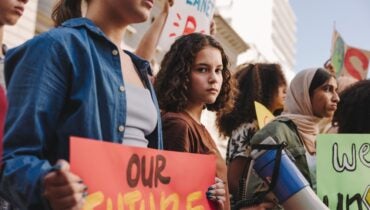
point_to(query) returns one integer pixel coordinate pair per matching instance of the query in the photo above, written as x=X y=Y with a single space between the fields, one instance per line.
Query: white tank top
x=142 y=117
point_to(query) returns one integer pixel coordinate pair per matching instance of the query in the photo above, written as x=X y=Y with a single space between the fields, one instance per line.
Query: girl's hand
x=213 y=27
x=217 y=192
x=63 y=189
x=167 y=5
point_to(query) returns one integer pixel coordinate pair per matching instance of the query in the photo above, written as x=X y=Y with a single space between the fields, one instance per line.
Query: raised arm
x=149 y=42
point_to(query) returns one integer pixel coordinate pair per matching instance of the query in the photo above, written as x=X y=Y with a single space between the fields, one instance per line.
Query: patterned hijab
x=298 y=108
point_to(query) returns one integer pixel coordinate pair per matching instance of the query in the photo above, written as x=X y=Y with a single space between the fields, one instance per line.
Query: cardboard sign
x=264 y=115
x=348 y=60
x=343 y=171
x=122 y=177
x=185 y=17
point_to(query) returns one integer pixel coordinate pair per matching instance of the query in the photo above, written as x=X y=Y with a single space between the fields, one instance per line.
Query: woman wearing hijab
x=311 y=97
x=327 y=125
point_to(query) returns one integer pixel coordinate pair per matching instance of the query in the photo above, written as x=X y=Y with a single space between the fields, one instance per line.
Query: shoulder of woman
x=175 y=118
x=245 y=129
x=278 y=128
x=52 y=40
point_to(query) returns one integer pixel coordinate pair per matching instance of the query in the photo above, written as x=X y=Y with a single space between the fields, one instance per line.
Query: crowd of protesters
x=85 y=68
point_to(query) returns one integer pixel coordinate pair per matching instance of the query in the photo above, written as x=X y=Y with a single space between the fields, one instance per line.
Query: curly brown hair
x=255 y=82
x=173 y=79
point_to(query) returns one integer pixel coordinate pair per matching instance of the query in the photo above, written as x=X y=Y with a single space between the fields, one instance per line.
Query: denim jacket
x=65 y=82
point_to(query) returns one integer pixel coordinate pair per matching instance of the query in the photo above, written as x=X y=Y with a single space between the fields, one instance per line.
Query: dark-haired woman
x=353 y=113
x=261 y=82
x=312 y=95
x=194 y=76
x=74 y=80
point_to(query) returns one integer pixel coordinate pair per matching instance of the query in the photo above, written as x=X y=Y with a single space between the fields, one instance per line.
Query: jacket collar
x=140 y=63
x=83 y=22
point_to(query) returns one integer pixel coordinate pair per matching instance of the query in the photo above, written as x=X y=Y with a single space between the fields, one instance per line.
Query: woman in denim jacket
x=74 y=80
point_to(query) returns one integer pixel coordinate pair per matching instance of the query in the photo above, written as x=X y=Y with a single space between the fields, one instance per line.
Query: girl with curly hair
x=194 y=75
x=261 y=82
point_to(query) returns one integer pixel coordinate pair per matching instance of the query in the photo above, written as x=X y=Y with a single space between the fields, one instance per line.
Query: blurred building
x=269 y=28
x=44 y=10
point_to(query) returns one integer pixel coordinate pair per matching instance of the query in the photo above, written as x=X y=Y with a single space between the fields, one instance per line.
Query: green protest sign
x=343 y=171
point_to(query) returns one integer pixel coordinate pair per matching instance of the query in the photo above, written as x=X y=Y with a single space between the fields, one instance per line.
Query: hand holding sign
x=213 y=27
x=167 y=5
x=187 y=16
x=216 y=192
x=63 y=189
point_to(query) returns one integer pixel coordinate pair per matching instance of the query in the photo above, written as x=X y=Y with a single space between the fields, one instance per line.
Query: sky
x=315 y=24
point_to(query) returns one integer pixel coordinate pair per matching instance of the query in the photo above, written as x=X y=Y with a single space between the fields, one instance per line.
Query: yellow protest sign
x=264 y=115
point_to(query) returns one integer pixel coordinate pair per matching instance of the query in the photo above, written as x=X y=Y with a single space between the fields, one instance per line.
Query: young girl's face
x=325 y=99
x=279 y=98
x=11 y=11
x=206 y=77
